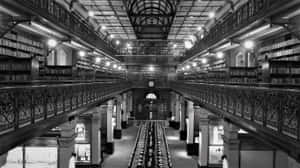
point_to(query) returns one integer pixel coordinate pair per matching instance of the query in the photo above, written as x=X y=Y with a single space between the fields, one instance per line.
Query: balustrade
x=239 y=19
x=274 y=109
x=25 y=105
x=59 y=15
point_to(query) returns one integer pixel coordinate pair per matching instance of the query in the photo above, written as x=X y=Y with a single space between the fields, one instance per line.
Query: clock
x=151 y=83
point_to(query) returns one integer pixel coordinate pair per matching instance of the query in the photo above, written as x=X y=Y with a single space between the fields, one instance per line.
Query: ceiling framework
x=190 y=15
x=112 y=15
x=151 y=19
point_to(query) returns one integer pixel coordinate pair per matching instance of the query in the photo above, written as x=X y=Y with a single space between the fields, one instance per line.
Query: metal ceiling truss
x=151 y=19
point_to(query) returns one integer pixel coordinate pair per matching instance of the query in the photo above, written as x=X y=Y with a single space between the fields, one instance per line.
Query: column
x=125 y=111
x=231 y=145
x=118 y=128
x=177 y=110
x=3 y=159
x=182 y=124
x=203 y=137
x=109 y=128
x=66 y=144
x=96 y=137
x=190 y=128
x=130 y=103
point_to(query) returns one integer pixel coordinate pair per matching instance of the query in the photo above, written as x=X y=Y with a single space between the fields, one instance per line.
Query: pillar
x=190 y=128
x=118 y=128
x=231 y=144
x=109 y=128
x=130 y=103
x=125 y=111
x=182 y=124
x=66 y=144
x=203 y=137
x=96 y=137
x=3 y=159
x=177 y=109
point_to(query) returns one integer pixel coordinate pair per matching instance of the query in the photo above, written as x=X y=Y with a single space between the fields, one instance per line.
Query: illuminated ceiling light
x=188 y=67
x=120 y=68
x=82 y=53
x=211 y=14
x=204 y=60
x=107 y=64
x=202 y=36
x=128 y=45
x=118 y=42
x=115 y=66
x=151 y=69
x=98 y=59
x=194 y=64
x=52 y=43
x=91 y=13
x=183 y=68
x=220 y=55
x=249 y=44
x=188 y=44
x=103 y=27
x=199 y=28
x=175 y=46
x=111 y=36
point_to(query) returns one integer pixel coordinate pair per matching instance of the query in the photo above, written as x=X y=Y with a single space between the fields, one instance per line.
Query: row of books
x=20 y=46
x=22 y=39
x=15 y=77
x=12 y=66
x=285 y=80
x=279 y=45
x=283 y=70
x=14 y=53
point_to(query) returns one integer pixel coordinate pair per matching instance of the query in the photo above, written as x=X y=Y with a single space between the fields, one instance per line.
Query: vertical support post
x=125 y=110
x=190 y=128
x=109 y=128
x=66 y=144
x=177 y=111
x=96 y=137
x=118 y=129
x=182 y=125
x=3 y=159
x=130 y=102
x=231 y=145
x=203 y=137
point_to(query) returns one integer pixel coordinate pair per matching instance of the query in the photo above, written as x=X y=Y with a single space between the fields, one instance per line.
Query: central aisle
x=177 y=148
x=123 y=149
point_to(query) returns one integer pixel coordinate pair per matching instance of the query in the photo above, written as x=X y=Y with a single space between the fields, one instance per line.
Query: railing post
x=16 y=109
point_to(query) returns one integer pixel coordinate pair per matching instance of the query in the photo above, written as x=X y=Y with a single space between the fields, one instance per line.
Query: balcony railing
x=56 y=13
x=277 y=110
x=24 y=105
x=242 y=17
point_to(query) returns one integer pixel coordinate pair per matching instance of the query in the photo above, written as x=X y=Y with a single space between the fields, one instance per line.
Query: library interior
x=149 y=83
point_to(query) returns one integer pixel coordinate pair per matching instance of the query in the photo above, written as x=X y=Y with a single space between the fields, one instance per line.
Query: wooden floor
x=123 y=148
x=177 y=148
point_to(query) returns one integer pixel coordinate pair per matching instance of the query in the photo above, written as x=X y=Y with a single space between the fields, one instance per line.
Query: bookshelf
x=281 y=72
x=57 y=72
x=279 y=60
x=21 y=57
x=18 y=69
x=242 y=74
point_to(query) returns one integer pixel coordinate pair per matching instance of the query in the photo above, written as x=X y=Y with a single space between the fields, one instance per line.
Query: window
x=151 y=96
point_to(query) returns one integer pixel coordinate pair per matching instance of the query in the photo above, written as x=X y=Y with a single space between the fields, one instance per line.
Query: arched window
x=151 y=96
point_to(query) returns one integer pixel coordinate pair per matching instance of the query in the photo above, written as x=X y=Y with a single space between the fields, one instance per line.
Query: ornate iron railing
x=56 y=13
x=239 y=19
x=24 y=105
x=277 y=110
